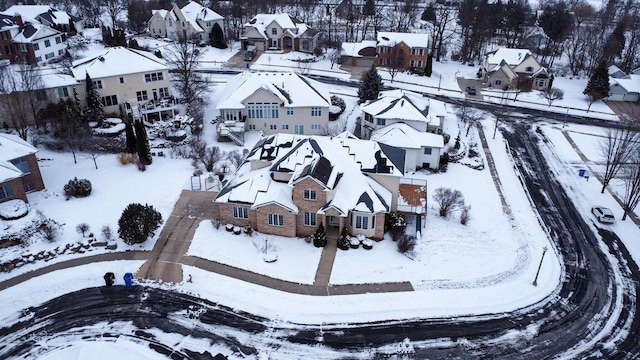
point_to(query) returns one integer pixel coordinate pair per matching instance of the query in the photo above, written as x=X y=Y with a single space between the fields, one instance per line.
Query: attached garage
x=624 y=89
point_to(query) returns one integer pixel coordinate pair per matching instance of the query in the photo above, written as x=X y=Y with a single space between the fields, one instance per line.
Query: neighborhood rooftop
x=412 y=40
x=194 y=12
x=117 y=61
x=512 y=57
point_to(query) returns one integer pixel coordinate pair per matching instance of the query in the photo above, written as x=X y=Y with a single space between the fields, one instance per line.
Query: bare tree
x=615 y=150
x=552 y=95
x=208 y=156
x=113 y=9
x=448 y=200
x=443 y=26
x=395 y=60
x=631 y=180
x=183 y=58
x=236 y=158
x=82 y=228
x=334 y=55
x=469 y=116
x=20 y=96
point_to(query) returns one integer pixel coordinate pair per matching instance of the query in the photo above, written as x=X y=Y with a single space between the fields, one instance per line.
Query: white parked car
x=604 y=215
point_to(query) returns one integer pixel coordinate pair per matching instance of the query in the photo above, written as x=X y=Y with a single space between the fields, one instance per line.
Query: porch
x=412 y=198
x=152 y=110
x=231 y=130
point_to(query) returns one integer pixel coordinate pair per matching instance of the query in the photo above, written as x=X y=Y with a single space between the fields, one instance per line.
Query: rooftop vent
x=101 y=58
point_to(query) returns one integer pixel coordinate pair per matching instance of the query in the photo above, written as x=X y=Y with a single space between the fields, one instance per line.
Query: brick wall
x=18 y=190
x=262 y=225
x=226 y=215
x=34 y=177
x=308 y=205
x=379 y=231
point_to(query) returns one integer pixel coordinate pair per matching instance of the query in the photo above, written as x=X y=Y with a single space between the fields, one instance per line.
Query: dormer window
x=274 y=31
x=529 y=69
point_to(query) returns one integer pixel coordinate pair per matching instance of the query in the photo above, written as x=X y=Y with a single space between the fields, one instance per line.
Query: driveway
x=477 y=83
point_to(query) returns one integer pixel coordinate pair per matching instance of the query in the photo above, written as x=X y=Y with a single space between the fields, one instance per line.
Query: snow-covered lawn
x=297 y=260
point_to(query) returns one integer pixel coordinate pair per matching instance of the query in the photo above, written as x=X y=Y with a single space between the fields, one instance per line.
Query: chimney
x=18 y=20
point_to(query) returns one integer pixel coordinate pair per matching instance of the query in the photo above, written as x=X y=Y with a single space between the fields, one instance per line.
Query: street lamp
x=544 y=251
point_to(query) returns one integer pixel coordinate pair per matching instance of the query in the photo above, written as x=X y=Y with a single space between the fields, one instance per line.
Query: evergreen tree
x=598 y=85
x=138 y=222
x=142 y=144
x=369 y=8
x=429 y=13
x=93 y=111
x=133 y=44
x=72 y=28
x=131 y=142
x=217 y=37
x=428 y=69
x=320 y=237
x=370 y=85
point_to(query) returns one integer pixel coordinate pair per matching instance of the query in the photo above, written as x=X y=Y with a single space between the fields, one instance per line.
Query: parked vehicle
x=603 y=214
x=250 y=54
x=471 y=90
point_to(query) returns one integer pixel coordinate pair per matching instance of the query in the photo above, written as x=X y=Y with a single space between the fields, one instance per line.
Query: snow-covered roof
x=33 y=32
x=404 y=136
x=412 y=40
x=339 y=163
x=116 y=61
x=356 y=49
x=399 y=104
x=194 y=11
x=161 y=12
x=13 y=147
x=294 y=26
x=52 y=78
x=292 y=89
x=513 y=57
x=48 y=13
x=6 y=22
x=631 y=83
x=615 y=72
x=8 y=171
x=437 y=112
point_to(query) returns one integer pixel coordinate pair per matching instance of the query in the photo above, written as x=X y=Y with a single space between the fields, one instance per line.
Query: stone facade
x=379 y=230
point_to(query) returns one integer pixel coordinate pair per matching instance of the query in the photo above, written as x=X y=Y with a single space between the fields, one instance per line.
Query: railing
x=158 y=105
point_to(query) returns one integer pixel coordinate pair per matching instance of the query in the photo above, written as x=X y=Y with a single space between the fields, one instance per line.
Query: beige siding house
x=134 y=81
x=278 y=32
x=273 y=103
x=191 y=21
x=290 y=184
x=529 y=73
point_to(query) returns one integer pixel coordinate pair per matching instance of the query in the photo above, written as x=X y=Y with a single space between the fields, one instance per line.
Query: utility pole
x=544 y=251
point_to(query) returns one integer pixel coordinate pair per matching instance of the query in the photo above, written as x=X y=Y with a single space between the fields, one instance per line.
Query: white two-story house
x=192 y=21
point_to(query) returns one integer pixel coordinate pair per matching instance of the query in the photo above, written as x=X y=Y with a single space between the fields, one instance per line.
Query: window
x=401 y=51
x=412 y=63
x=121 y=79
x=252 y=126
x=316 y=127
x=21 y=164
x=285 y=127
x=153 y=77
x=316 y=111
x=276 y=220
x=7 y=49
x=22 y=47
x=208 y=23
x=262 y=110
x=60 y=52
x=47 y=43
x=142 y=95
x=36 y=46
x=38 y=58
x=49 y=56
x=427 y=151
x=419 y=63
x=4 y=35
x=382 y=122
x=5 y=191
x=309 y=219
x=289 y=111
x=109 y=100
x=164 y=92
x=58 y=40
x=381 y=62
x=309 y=194
x=362 y=222
x=62 y=92
x=498 y=82
x=29 y=187
x=381 y=50
x=240 y=212
x=274 y=31
x=97 y=84
x=273 y=126
x=541 y=83
x=529 y=69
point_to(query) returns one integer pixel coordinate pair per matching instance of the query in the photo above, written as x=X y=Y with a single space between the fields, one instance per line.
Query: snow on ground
x=247 y=252
x=291 y=61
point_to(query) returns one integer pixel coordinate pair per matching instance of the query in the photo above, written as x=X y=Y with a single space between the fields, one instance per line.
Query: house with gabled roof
x=48 y=16
x=272 y=102
x=289 y=184
x=279 y=32
x=134 y=81
x=505 y=68
x=406 y=50
x=191 y=21
x=29 y=40
x=409 y=121
x=19 y=170
x=623 y=87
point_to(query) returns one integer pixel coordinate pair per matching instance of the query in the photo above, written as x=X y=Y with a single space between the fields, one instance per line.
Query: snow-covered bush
x=138 y=222
x=13 y=209
x=343 y=243
x=107 y=234
x=337 y=107
x=406 y=244
x=82 y=228
x=464 y=215
x=77 y=188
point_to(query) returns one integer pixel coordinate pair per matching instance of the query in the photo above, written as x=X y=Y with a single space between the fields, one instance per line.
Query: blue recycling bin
x=128 y=279
x=581 y=172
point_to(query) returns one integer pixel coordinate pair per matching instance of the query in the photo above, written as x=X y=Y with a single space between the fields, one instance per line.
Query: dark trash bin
x=581 y=172
x=109 y=279
x=128 y=279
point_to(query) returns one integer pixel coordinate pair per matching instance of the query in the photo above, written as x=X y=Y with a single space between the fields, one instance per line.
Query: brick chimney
x=18 y=20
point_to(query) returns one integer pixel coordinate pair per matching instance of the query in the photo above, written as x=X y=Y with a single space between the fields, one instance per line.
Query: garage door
x=364 y=62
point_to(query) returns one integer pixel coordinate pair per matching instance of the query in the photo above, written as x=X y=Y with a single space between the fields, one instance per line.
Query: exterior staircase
x=236 y=137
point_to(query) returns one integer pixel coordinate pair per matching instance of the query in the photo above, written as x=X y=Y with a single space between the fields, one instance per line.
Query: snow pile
x=13 y=209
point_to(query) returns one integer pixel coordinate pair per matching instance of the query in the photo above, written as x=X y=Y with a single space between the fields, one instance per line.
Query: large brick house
x=278 y=32
x=402 y=50
x=29 y=41
x=19 y=171
x=289 y=184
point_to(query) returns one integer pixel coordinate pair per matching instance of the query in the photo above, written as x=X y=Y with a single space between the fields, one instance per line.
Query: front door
x=334 y=221
x=298 y=129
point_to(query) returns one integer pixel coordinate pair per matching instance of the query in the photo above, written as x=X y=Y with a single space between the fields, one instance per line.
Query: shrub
x=446 y=137
x=77 y=188
x=125 y=158
x=107 y=234
x=394 y=220
x=396 y=233
x=138 y=222
x=444 y=162
x=50 y=229
x=406 y=244
x=464 y=215
x=320 y=237
x=338 y=102
x=343 y=239
x=82 y=228
x=248 y=231
x=215 y=223
x=449 y=200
